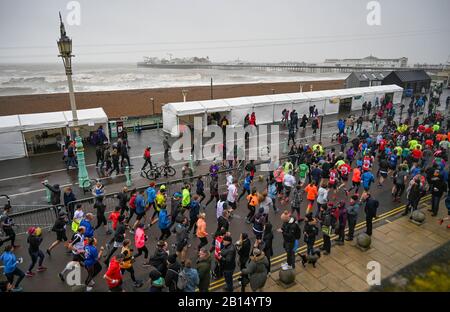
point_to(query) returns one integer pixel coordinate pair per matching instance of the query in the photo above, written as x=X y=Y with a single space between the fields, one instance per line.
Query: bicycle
x=157 y=171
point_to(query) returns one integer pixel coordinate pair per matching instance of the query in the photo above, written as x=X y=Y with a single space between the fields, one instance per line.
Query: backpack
x=296 y=232
x=182 y=280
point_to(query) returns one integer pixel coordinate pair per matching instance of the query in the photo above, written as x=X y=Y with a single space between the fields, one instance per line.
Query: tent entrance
x=44 y=141
x=345 y=106
x=389 y=97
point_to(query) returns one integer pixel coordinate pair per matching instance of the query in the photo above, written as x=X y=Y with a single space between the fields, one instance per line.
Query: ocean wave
x=5 y=91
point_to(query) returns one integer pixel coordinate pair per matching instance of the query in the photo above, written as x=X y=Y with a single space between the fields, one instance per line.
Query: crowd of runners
x=315 y=191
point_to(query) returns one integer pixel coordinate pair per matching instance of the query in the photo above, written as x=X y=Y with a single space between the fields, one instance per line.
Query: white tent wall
x=301 y=107
x=300 y=103
x=240 y=107
x=264 y=113
x=170 y=121
x=357 y=102
x=319 y=103
x=268 y=108
x=398 y=97
x=238 y=115
x=280 y=102
x=263 y=108
x=332 y=106
x=11 y=145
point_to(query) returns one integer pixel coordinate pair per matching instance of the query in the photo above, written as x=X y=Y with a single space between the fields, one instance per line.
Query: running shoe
x=30 y=274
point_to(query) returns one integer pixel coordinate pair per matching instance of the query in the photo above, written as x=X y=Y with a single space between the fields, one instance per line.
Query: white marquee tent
x=14 y=127
x=268 y=108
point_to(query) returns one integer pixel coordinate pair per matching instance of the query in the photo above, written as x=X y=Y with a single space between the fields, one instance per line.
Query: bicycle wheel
x=170 y=171
x=150 y=174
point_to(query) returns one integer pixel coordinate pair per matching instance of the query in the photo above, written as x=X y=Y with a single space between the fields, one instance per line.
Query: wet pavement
x=27 y=190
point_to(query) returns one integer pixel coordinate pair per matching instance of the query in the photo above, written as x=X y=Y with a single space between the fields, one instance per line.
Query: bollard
x=48 y=193
x=417 y=217
x=286 y=277
x=363 y=241
x=128 y=176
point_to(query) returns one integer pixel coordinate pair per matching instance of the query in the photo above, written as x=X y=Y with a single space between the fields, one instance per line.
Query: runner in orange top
x=356 y=181
x=311 y=195
x=253 y=202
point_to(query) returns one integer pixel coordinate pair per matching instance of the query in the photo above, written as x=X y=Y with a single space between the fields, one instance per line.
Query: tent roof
x=9 y=123
x=41 y=121
x=87 y=116
x=260 y=100
x=186 y=108
x=38 y=121
x=300 y=96
x=199 y=107
x=319 y=95
x=239 y=102
x=219 y=105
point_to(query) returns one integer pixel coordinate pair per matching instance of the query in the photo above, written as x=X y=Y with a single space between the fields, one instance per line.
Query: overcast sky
x=251 y=30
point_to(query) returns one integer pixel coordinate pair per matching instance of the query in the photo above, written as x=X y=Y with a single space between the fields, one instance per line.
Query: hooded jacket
x=257 y=270
x=204 y=273
x=55 y=194
x=192 y=279
x=172 y=276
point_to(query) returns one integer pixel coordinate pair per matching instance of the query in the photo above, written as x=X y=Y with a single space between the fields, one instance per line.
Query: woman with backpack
x=189 y=277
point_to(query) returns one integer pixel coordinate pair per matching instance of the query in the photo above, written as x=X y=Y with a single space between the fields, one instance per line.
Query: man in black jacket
x=244 y=247
x=159 y=259
x=438 y=188
x=173 y=269
x=123 y=198
x=55 y=193
x=371 y=211
x=291 y=232
x=228 y=262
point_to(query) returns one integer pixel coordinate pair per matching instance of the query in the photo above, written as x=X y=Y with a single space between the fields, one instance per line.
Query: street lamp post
x=211 y=88
x=184 y=92
x=65 y=52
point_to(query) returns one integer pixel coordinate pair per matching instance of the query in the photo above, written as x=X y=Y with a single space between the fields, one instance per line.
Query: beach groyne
x=137 y=103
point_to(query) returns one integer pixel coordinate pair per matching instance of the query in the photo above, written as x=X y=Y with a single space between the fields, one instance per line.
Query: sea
x=22 y=79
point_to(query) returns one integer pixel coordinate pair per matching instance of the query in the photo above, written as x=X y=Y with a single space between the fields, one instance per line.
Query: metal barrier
x=43 y=217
